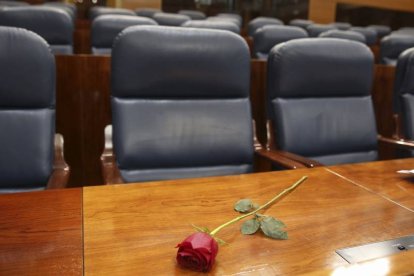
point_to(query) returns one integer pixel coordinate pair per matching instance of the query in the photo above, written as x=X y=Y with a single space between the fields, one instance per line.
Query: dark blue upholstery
x=370 y=34
x=147 y=12
x=343 y=26
x=69 y=8
x=393 y=45
x=316 y=29
x=180 y=103
x=97 y=11
x=170 y=19
x=53 y=24
x=218 y=25
x=27 y=110
x=194 y=15
x=265 y=38
x=302 y=23
x=10 y=3
x=381 y=30
x=349 y=35
x=232 y=16
x=106 y=27
x=259 y=22
x=319 y=98
x=404 y=92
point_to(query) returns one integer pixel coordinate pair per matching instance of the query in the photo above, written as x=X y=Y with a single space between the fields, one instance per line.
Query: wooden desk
x=382 y=178
x=133 y=229
x=41 y=233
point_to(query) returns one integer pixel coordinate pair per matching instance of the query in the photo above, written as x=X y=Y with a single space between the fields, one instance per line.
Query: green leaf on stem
x=243 y=205
x=271 y=227
x=220 y=241
x=250 y=227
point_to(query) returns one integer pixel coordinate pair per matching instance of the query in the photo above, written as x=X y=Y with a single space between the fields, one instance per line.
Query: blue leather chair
x=99 y=10
x=147 y=12
x=231 y=19
x=343 y=26
x=301 y=23
x=217 y=25
x=316 y=29
x=370 y=34
x=194 y=15
x=404 y=94
x=53 y=24
x=259 y=22
x=27 y=114
x=265 y=38
x=69 y=8
x=319 y=100
x=381 y=30
x=393 y=45
x=105 y=28
x=10 y=3
x=349 y=35
x=170 y=19
x=180 y=104
x=233 y=16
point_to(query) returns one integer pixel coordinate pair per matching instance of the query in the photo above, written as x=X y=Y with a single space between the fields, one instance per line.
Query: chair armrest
x=60 y=174
x=110 y=170
x=278 y=158
x=399 y=143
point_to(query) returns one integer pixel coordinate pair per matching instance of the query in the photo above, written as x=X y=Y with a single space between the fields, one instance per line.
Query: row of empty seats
x=181 y=107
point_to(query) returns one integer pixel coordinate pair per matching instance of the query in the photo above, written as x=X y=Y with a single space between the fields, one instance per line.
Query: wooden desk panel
x=382 y=178
x=41 y=233
x=133 y=228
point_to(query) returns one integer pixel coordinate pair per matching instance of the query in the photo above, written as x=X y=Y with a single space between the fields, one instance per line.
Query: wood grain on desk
x=41 y=233
x=134 y=228
x=382 y=178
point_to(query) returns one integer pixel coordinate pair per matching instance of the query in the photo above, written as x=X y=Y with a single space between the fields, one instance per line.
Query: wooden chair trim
x=110 y=170
x=61 y=171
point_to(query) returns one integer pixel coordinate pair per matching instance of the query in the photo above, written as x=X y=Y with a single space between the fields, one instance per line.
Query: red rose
x=197 y=252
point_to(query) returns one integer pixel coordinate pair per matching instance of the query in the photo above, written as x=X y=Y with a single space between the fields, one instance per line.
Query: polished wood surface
x=134 y=228
x=398 y=264
x=324 y=11
x=41 y=233
x=382 y=178
x=82 y=112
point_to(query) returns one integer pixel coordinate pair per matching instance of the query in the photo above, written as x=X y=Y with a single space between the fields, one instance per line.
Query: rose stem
x=300 y=181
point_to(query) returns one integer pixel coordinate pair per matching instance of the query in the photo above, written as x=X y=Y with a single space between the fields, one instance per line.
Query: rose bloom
x=197 y=252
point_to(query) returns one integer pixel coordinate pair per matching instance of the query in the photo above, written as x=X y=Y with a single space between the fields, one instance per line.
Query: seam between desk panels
x=83 y=235
x=369 y=190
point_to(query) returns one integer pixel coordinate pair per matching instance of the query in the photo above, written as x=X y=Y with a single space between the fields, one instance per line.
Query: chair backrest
x=370 y=34
x=403 y=101
x=234 y=20
x=180 y=103
x=218 y=25
x=10 y=3
x=105 y=28
x=265 y=38
x=302 y=23
x=319 y=97
x=53 y=24
x=194 y=15
x=27 y=110
x=69 y=8
x=393 y=45
x=316 y=29
x=381 y=30
x=99 y=10
x=170 y=19
x=349 y=35
x=343 y=26
x=147 y=12
x=259 y=22
x=234 y=16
